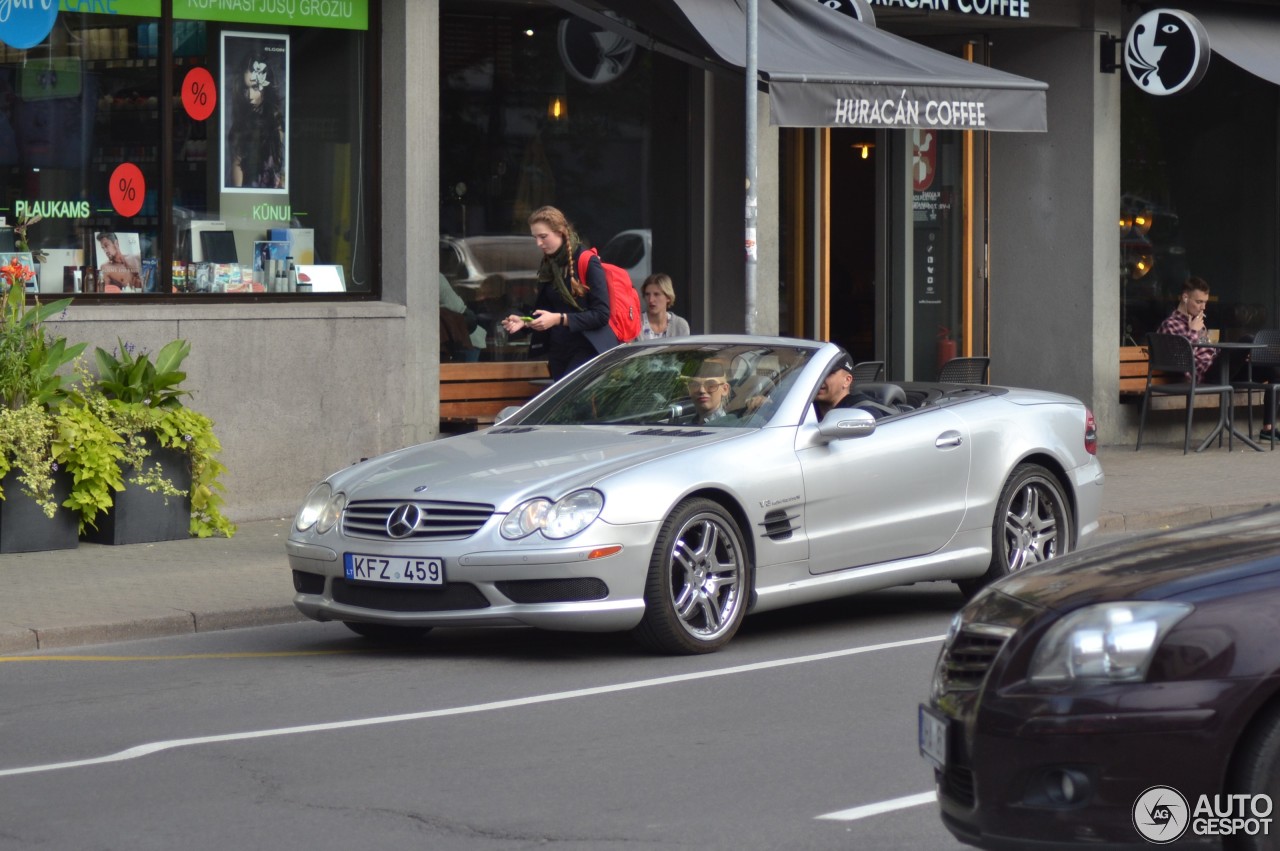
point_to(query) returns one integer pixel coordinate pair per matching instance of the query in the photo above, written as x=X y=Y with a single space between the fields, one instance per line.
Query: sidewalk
x=98 y=594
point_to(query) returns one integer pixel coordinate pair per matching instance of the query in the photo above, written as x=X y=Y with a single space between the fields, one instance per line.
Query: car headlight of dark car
x=321 y=509
x=1112 y=642
x=567 y=516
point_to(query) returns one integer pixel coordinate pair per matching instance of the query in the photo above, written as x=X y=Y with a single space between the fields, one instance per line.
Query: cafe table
x=1226 y=418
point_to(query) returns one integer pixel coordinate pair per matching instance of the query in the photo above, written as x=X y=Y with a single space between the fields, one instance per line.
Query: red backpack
x=624 y=303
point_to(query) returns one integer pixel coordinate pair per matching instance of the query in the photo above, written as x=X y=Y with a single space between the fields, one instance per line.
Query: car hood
x=504 y=465
x=1162 y=565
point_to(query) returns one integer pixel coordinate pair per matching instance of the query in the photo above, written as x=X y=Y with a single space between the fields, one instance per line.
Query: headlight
x=315 y=503
x=566 y=516
x=1108 y=641
x=322 y=509
x=332 y=511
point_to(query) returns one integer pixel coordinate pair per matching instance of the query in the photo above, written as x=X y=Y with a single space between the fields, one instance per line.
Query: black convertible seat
x=889 y=395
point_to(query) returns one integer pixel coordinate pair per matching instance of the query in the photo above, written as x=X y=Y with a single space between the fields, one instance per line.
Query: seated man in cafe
x=1188 y=320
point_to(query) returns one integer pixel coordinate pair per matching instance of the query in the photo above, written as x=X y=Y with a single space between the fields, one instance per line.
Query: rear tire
x=387 y=633
x=699 y=581
x=1256 y=771
x=1032 y=524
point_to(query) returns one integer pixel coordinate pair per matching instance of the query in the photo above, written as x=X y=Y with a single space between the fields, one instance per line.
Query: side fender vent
x=779 y=524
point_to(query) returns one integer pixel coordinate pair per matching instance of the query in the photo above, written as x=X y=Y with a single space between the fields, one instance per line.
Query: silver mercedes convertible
x=672 y=487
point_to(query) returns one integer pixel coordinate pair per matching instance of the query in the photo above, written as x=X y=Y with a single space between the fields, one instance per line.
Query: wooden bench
x=472 y=394
x=1133 y=372
x=1133 y=382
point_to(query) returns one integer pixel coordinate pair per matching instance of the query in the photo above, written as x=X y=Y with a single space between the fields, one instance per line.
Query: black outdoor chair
x=1268 y=357
x=868 y=370
x=971 y=370
x=1172 y=353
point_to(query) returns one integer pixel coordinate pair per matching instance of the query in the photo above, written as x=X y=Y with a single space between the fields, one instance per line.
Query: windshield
x=705 y=385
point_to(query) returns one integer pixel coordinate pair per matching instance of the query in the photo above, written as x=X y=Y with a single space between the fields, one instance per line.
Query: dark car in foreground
x=1117 y=697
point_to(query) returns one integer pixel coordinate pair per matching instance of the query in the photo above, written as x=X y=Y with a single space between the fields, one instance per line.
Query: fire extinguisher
x=946 y=346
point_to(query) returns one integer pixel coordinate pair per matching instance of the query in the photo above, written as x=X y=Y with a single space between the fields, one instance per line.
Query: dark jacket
x=588 y=332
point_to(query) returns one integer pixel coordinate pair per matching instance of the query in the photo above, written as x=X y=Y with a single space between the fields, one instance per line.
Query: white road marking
x=883 y=807
x=156 y=747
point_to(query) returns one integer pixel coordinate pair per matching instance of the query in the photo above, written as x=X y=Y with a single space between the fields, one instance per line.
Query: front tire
x=1256 y=771
x=699 y=581
x=388 y=633
x=1032 y=524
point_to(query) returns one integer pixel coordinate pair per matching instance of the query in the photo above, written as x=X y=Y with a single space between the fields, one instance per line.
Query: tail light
x=1090 y=433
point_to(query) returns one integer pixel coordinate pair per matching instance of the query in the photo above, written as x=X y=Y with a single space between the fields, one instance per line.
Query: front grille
x=308 y=583
x=957 y=784
x=957 y=780
x=966 y=662
x=455 y=596
x=439 y=521
x=554 y=590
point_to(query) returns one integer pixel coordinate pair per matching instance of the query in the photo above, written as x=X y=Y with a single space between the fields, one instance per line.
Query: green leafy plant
x=134 y=377
x=141 y=399
x=30 y=360
x=32 y=386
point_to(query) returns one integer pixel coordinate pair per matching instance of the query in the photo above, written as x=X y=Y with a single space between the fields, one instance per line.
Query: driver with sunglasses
x=709 y=391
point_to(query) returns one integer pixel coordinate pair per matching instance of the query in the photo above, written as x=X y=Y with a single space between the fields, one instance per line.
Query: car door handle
x=948 y=439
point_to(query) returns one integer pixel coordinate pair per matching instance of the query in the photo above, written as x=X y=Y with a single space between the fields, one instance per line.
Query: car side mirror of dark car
x=840 y=423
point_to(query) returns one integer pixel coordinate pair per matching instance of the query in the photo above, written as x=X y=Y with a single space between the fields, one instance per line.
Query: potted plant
x=32 y=390
x=168 y=462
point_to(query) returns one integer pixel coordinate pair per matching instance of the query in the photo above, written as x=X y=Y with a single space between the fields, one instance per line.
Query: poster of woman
x=255 y=117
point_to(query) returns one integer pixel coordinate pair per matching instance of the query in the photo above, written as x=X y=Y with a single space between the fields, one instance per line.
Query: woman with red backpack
x=570 y=319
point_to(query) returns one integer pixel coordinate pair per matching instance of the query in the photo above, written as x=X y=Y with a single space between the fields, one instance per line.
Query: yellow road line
x=270 y=654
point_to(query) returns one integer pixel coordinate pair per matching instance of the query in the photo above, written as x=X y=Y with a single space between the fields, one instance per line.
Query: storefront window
x=1198 y=181
x=538 y=107
x=257 y=157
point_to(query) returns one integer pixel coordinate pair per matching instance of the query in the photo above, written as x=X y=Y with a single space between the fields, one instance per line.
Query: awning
x=824 y=69
x=1247 y=38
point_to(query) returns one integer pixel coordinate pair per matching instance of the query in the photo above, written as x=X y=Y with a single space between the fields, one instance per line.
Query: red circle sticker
x=127 y=189
x=199 y=96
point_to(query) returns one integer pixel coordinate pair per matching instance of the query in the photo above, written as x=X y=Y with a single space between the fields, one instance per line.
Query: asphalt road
x=305 y=736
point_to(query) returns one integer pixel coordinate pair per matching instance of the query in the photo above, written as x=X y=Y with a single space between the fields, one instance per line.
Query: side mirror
x=840 y=423
x=505 y=413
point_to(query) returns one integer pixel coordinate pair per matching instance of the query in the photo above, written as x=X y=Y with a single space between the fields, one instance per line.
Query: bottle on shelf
x=293 y=274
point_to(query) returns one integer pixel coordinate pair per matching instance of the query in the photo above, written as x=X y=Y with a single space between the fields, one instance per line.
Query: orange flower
x=16 y=273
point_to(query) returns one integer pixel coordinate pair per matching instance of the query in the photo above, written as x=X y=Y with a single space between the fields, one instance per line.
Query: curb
x=1169 y=518
x=18 y=639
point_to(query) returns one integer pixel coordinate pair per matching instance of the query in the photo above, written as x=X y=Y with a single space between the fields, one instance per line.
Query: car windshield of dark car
x=705 y=385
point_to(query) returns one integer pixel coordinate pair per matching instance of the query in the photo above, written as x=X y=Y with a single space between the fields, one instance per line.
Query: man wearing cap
x=836 y=391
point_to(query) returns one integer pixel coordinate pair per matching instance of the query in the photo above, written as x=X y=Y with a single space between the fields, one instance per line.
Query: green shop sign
x=136 y=8
x=333 y=14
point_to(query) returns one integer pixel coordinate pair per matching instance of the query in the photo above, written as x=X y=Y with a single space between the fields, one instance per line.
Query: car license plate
x=933 y=737
x=393 y=570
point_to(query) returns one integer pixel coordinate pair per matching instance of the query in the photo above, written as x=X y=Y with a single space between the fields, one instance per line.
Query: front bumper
x=549 y=585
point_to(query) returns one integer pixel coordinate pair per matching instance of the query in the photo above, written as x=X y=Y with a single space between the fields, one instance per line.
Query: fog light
x=1067 y=786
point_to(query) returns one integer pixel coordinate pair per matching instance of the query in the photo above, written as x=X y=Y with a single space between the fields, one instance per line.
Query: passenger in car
x=836 y=391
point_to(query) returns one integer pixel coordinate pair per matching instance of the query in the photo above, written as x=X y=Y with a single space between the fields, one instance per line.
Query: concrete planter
x=139 y=516
x=24 y=528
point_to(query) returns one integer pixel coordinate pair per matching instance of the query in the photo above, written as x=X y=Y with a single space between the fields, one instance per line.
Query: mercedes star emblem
x=403 y=520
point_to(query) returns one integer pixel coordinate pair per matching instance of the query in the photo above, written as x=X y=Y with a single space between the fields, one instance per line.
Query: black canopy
x=824 y=69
